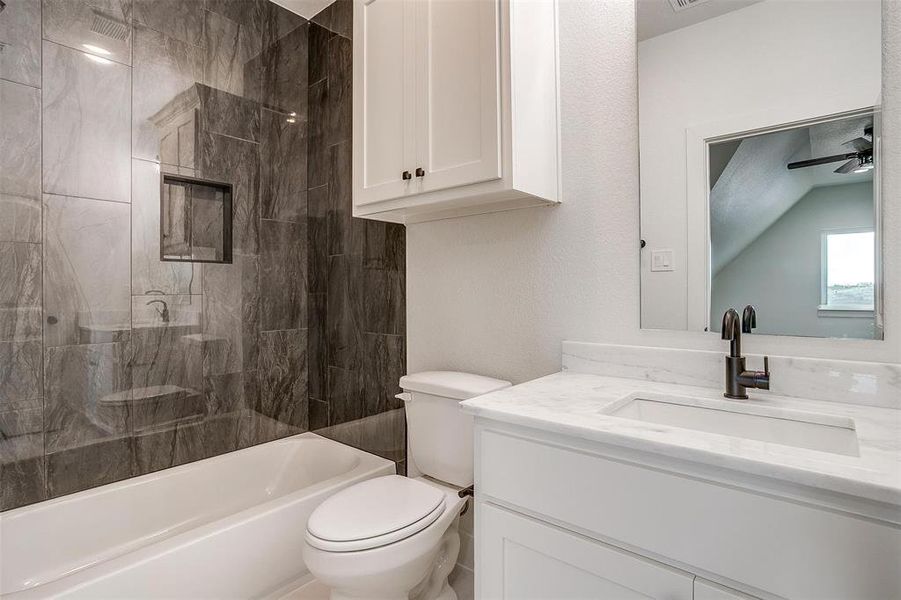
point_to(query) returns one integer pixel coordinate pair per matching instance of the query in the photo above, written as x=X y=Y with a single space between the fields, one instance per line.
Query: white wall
x=779 y=56
x=497 y=294
x=779 y=272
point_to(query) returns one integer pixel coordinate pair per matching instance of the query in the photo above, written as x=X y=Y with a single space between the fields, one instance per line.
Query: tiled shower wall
x=304 y=330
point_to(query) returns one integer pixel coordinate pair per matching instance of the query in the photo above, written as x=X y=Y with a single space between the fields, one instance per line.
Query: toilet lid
x=367 y=513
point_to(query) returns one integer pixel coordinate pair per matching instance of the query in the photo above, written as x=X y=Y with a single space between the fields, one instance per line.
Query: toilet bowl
x=393 y=537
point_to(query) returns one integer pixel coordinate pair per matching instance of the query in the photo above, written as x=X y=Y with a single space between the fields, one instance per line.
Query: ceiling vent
x=679 y=5
x=110 y=27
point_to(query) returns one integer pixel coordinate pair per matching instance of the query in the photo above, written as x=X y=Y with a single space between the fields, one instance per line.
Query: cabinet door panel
x=457 y=92
x=383 y=96
x=524 y=559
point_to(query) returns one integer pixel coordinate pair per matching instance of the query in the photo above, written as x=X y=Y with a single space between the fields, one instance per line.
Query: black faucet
x=164 y=313
x=737 y=378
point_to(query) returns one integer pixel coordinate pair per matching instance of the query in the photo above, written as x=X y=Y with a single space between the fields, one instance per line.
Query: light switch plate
x=662 y=260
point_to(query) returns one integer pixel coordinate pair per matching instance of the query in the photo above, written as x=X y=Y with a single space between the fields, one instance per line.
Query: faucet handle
x=766 y=366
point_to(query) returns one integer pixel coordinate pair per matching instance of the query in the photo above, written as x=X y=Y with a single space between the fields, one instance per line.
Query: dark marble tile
x=402 y=468
x=279 y=22
x=89 y=466
x=165 y=96
x=340 y=90
x=317 y=238
x=231 y=392
x=382 y=434
x=340 y=196
x=234 y=161
x=20 y=34
x=318 y=52
x=166 y=377
x=283 y=377
x=343 y=17
x=318 y=414
x=283 y=167
x=166 y=448
x=337 y=17
x=87 y=283
x=180 y=19
x=21 y=374
x=231 y=55
x=385 y=364
x=344 y=319
x=285 y=72
x=283 y=275
x=317 y=346
x=317 y=152
x=231 y=317
x=20 y=161
x=87 y=394
x=22 y=482
x=256 y=428
x=20 y=292
x=22 y=433
x=227 y=114
x=85 y=152
x=73 y=23
x=346 y=395
x=248 y=14
x=381 y=249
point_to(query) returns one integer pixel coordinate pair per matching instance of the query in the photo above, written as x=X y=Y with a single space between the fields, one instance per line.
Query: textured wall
x=496 y=294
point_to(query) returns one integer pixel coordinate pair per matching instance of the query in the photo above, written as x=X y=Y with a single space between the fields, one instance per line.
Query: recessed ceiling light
x=96 y=49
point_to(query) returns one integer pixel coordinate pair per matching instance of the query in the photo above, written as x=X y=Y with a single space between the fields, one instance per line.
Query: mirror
x=760 y=164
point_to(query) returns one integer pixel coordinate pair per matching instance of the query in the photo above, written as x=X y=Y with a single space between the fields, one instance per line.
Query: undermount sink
x=826 y=433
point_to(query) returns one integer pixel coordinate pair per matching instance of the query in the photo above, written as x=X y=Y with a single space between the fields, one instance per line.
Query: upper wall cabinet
x=456 y=107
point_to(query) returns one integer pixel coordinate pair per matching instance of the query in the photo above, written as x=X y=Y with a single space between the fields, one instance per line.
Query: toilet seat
x=374 y=513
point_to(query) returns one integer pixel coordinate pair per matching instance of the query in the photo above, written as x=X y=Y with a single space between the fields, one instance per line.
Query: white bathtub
x=226 y=527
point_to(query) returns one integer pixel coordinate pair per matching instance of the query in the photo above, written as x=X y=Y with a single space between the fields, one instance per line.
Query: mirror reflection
x=760 y=165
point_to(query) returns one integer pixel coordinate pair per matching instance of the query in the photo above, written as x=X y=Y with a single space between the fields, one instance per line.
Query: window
x=849 y=269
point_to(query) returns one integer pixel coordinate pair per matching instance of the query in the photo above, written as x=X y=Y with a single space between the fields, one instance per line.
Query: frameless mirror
x=760 y=143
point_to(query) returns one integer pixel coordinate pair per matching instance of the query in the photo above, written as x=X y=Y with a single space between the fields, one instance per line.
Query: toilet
x=393 y=537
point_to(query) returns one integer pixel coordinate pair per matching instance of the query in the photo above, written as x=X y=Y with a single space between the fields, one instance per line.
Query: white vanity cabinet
x=566 y=518
x=455 y=107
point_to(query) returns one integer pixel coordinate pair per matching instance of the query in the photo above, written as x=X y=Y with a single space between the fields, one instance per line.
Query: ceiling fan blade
x=825 y=160
x=848 y=167
x=859 y=144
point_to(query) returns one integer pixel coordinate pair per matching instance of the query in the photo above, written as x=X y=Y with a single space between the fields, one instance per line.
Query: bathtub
x=226 y=527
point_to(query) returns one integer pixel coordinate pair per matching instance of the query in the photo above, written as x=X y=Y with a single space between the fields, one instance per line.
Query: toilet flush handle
x=405 y=396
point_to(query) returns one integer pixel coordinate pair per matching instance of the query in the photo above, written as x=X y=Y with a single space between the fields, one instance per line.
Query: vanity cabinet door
x=524 y=559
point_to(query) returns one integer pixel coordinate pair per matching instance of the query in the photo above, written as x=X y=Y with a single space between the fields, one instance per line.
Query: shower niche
x=195 y=220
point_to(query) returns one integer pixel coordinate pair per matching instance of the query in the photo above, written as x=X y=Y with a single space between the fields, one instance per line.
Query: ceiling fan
x=859 y=160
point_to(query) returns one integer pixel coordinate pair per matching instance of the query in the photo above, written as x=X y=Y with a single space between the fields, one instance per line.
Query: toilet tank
x=440 y=434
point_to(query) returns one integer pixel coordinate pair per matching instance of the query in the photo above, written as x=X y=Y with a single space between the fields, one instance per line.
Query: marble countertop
x=570 y=403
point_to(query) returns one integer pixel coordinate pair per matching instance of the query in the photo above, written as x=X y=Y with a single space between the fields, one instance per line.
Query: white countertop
x=570 y=404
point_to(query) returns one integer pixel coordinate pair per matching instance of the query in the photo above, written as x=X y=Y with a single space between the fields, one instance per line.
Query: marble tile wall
x=114 y=363
x=356 y=268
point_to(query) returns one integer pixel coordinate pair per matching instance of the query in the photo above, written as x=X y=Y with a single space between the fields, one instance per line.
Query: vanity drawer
x=778 y=546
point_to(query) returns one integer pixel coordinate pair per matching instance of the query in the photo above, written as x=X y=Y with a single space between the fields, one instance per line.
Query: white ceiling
x=656 y=17
x=305 y=8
